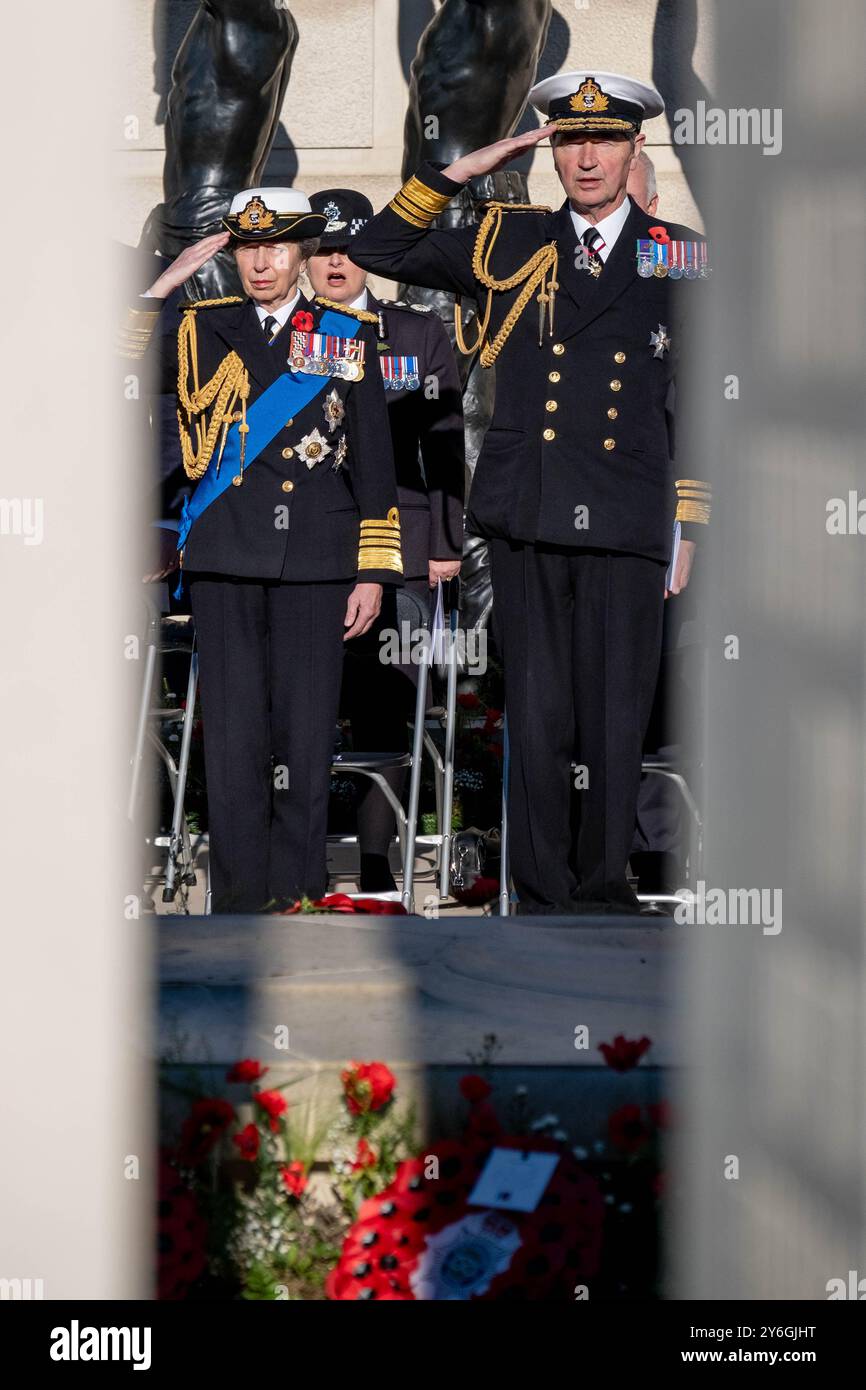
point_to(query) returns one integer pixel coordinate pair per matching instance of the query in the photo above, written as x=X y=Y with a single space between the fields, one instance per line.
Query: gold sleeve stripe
x=693 y=482
x=380 y=560
x=134 y=335
x=693 y=511
x=379 y=547
x=418 y=204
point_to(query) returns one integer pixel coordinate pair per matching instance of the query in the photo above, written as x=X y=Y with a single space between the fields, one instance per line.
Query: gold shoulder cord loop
x=229 y=384
x=539 y=272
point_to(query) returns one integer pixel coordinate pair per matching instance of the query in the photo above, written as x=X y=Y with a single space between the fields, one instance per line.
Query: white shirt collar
x=361 y=301
x=282 y=314
x=608 y=228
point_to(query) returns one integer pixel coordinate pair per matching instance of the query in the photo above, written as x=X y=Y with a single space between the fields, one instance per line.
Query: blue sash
x=283 y=399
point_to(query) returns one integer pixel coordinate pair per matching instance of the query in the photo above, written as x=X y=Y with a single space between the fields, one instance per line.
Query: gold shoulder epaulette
x=539 y=272
x=210 y=303
x=363 y=314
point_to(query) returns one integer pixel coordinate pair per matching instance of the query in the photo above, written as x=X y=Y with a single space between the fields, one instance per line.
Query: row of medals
x=682 y=268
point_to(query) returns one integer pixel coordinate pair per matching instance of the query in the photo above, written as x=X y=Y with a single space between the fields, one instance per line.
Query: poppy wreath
x=181 y=1235
x=560 y=1242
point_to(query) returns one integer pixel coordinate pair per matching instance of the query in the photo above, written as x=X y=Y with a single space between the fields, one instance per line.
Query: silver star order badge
x=660 y=341
x=339 y=456
x=334 y=410
x=313 y=447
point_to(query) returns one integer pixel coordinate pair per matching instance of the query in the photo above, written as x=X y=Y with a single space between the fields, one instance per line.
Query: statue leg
x=228 y=83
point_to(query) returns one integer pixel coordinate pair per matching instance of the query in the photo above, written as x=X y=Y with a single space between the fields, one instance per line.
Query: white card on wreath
x=512 y=1180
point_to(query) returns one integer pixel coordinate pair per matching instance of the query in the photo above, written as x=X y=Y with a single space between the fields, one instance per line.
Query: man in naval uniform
x=425 y=412
x=286 y=542
x=575 y=487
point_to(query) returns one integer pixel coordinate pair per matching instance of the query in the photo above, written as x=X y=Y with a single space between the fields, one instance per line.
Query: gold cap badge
x=589 y=97
x=255 y=217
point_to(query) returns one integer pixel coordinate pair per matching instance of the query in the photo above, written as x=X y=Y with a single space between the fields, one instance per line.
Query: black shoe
x=376 y=876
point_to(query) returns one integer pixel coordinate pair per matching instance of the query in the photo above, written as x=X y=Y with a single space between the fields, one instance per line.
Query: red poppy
x=365 y=1157
x=474 y=1088
x=206 y=1123
x=659 y=234
x=303 y=321
x=627 y=1130
x=468 y=700
x=274 y=1105
x=341 y=902
x=483 y=1124
x=248 y=1070
x=624 y=1053
x=661 y=1115
x=294 y=1178
x=247 y=1141
x=492 y=720
x=367 y=1086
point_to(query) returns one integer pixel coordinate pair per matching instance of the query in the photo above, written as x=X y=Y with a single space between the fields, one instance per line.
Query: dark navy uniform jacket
x=427 y=435
x=297 y=517
x=585 y=419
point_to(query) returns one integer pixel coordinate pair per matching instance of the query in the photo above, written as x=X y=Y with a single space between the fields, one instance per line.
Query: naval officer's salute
x=287 y=540
x=575 y=486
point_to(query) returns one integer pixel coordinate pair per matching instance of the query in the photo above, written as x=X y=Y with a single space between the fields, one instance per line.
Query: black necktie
x=593 y=240
x=270 y=327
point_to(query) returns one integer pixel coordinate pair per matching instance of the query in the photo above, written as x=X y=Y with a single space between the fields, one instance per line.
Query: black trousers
x=580 y=636
x=271 y=657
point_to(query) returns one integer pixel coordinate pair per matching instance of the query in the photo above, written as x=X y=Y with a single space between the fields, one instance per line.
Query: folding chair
x=167 y=635
x=373 y=765
x=657 y=767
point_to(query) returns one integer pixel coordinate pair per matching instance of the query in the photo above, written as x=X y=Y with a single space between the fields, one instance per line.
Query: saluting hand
x=492 y=157
x=191 y=259
x=365 y=600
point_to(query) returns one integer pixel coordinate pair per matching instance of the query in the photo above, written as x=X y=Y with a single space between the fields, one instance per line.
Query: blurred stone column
x=775 y=1046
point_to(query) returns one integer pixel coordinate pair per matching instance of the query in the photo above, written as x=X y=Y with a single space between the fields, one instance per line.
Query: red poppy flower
x=341 y=902
x=247 y=1141
x=367 y=1086
x=483 y=1124
x=303 y=321
x=659 y=234
x=248 y=1070
x=474 y=1088
x=294 y=1178
x=627 y=1130
x=365 y=1157
x=624 y=1053
x=468 y=700
x=661 y=1115
x=206 y=1123
x=274 y=1105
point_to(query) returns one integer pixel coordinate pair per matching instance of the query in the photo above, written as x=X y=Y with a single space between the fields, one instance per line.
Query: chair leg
x=504 y=894
x=179 y=850
x=448 y=789
x=408 y=893
x=143 y=721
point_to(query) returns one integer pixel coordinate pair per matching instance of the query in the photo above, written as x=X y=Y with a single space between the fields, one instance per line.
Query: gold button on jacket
x=610 y=443
x=619 y=357
x=288 y=486
x=558 y=349
x=288 y=453
x=616 y=384
x=550 y=405
x=549 y=434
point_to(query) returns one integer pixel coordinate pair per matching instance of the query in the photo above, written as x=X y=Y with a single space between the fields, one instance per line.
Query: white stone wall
x=342 y=119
